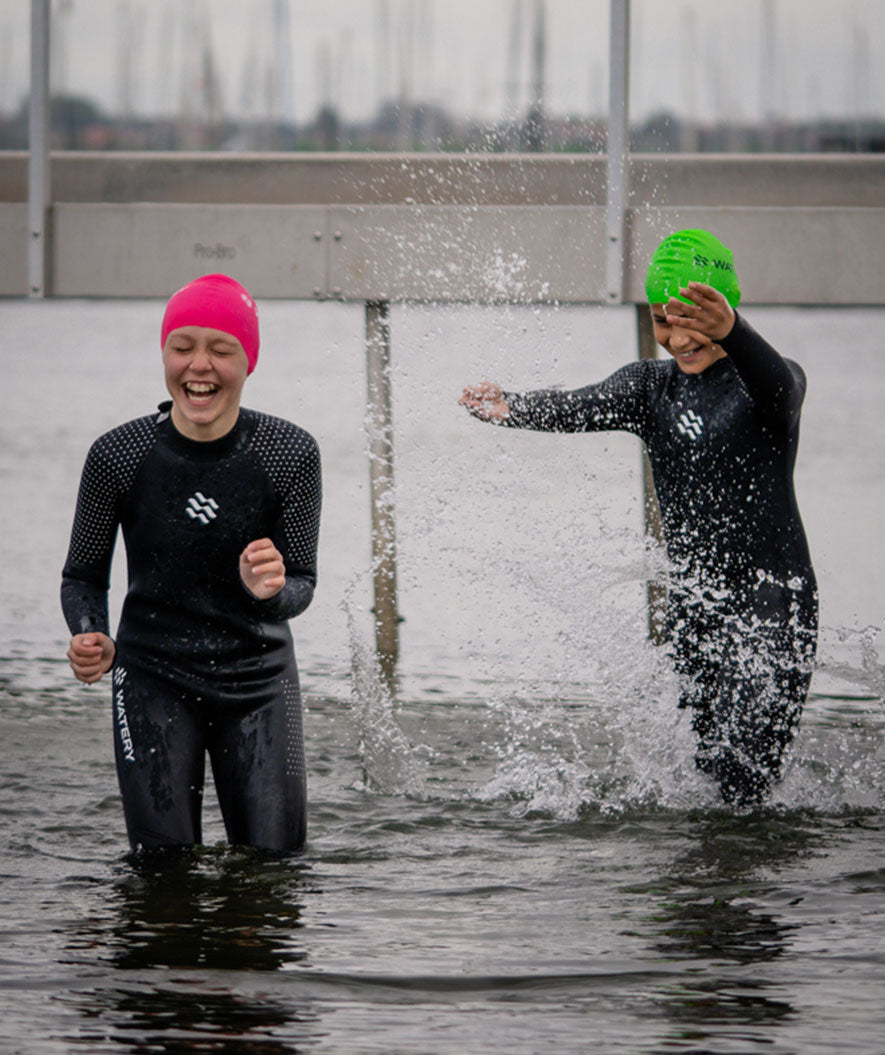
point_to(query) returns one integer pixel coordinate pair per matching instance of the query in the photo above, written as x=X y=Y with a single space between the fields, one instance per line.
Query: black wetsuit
x=201 y=664
x=742 y=608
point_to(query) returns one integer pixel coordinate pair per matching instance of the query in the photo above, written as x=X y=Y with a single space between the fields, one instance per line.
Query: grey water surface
x=517 y=854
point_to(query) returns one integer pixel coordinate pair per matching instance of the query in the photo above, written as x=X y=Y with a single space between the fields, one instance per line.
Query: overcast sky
x=701 y=58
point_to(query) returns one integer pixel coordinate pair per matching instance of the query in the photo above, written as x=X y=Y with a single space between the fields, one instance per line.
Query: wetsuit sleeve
x=86 y=574
x=299 y=483
x=619 y=402
x=775 y=385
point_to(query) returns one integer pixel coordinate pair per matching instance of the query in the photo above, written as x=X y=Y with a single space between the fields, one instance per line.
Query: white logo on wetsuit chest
x=690 y=424
x=201 y=508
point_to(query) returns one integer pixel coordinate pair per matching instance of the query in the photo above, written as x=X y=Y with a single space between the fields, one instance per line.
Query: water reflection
x=216 y=909
x=717 y=928
x=712 y=913
x=184 y=939
x=198 y=1021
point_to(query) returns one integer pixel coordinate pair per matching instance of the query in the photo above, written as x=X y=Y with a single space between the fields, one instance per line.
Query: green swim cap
x=691 y=256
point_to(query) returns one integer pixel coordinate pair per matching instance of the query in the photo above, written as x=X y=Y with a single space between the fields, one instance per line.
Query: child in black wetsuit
x=219 y=508
x=720 y=420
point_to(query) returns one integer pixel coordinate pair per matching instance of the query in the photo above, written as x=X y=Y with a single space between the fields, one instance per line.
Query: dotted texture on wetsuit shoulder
x=110 y=470
x=291 y=458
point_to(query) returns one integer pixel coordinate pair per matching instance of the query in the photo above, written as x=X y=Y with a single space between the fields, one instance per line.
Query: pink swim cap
x=217 y=302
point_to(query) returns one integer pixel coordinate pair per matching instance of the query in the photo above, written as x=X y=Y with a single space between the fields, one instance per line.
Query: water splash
x=621 y=746
x=620 y=743
x=849 y=655
x=601 y=733
x=836 y=762
x=568 y=745
x=390 y=765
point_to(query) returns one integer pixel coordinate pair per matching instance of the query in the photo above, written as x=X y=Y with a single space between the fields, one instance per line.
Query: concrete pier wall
x=805 y=229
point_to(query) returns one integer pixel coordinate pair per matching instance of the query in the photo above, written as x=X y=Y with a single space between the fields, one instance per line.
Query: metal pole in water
x=380 y=431
x=618 y=149
x=38 y=152
x=617 y=191
x=656 y=592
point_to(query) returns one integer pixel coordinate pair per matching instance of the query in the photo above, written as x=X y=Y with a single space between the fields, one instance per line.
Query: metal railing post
x=656 y=592
x=38 y=152
x=618 y=149
x=379 y=424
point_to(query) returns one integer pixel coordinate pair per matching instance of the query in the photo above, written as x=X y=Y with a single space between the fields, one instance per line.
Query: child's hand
x=485 y=401
x=91 y=656
x=708 y=313
x=262 y=569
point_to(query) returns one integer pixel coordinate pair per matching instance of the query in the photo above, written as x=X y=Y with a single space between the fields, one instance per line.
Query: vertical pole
x=38 y=152
x=656 y=592
x=380 y=430
x=618 y=149
x=768 y=73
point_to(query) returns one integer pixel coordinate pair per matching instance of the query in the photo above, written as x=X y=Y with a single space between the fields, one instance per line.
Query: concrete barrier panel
x=13 y=250
x=484 y=253
x=151 y=249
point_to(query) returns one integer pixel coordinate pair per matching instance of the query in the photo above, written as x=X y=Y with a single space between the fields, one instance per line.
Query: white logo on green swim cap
x=692 y=255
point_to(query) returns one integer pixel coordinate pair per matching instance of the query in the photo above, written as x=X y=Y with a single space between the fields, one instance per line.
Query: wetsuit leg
x=746 y=682
x=258 y=764
x=746 y=725
x=160 y=753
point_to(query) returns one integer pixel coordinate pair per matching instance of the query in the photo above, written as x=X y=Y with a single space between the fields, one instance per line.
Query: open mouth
x=199 y=391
